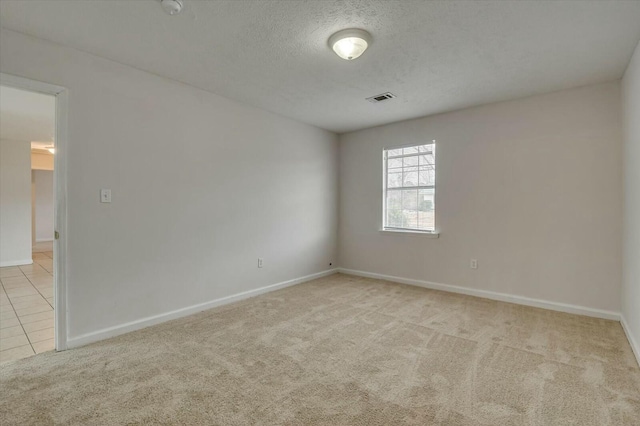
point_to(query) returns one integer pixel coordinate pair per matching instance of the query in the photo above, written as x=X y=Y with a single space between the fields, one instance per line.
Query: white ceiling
x=27 y=116
x=435 y=56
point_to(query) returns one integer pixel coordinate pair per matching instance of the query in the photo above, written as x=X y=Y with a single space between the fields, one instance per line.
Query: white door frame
x=60 y=196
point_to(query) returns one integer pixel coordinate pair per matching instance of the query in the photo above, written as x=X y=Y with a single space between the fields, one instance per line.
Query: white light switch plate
x=105 y=195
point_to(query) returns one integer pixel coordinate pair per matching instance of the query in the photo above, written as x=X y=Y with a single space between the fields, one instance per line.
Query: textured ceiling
x=435 y=56
x=27 y=116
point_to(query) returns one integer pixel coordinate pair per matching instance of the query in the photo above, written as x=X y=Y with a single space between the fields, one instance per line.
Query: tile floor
x=26 y=306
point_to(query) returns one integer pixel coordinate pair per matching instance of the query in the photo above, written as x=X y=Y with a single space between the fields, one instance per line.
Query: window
x=409 y=188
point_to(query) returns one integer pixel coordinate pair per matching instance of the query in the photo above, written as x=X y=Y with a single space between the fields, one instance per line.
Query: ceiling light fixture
x=349 y=44
x=172 y=7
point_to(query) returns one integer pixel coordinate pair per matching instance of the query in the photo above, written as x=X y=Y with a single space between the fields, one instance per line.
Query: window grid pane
x=410 y=188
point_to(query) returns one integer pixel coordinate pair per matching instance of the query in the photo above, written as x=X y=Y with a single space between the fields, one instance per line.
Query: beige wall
x=631 y=272
x=530 y=188
x=43 y=204
x=15 y=203
x=228 y=184
x=41 y=161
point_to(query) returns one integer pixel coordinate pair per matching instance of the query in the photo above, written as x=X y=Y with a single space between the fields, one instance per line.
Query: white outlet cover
x=105 y=195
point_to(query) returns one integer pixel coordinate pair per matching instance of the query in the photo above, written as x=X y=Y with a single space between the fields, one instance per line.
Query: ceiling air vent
x=381 y=97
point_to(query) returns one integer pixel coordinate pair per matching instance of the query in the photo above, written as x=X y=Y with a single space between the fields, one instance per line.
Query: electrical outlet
x=260 y=262
x=474 y=264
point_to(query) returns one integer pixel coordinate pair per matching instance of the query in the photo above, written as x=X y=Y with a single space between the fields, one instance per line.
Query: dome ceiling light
x=349 y=44
x=172 y=7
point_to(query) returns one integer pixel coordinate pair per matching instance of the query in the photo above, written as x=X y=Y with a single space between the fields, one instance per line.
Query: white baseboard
x=44 y=240
x=117 y=330
x=634 y=345
x=503 y=297
x=16 y=262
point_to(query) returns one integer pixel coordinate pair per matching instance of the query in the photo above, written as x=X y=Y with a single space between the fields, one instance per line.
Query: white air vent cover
x=381 y=97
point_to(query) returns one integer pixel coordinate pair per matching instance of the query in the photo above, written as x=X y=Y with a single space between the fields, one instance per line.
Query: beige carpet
x=340 y=351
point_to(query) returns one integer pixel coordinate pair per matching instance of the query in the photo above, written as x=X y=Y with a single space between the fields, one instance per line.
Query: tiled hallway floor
x=26 y=306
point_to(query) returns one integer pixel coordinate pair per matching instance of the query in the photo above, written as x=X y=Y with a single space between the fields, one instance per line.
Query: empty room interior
x=341 y=212
x=26 y=227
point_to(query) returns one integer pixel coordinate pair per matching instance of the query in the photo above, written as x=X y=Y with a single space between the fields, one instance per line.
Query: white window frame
x=432 y=233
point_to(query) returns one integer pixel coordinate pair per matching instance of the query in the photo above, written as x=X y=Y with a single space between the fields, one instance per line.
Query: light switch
x=105 y=195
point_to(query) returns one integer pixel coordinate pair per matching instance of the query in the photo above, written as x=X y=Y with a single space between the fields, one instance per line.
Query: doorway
x=32 y=216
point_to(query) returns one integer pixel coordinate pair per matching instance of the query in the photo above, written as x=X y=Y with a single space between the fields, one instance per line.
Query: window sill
x=425 y=234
